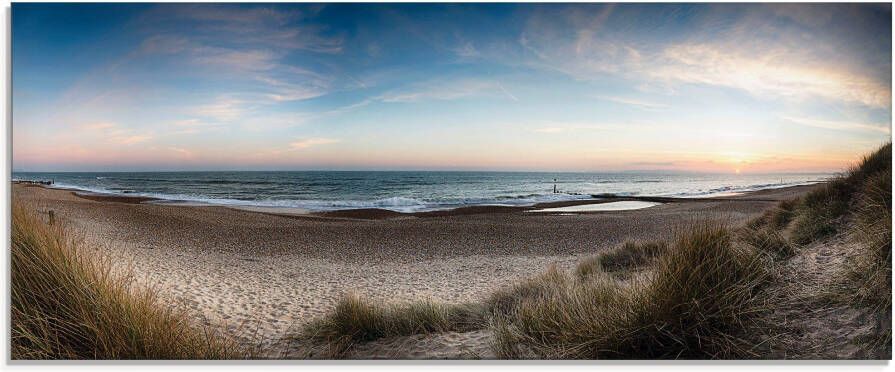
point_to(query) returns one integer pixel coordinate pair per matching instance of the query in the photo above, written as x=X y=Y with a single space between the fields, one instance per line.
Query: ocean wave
x=194 y=181
x=337 y=193
x=727 y=190
x=397 y=204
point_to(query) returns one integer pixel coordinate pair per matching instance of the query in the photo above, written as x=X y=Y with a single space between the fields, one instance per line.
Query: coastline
x=382 y=213
x=262 y=275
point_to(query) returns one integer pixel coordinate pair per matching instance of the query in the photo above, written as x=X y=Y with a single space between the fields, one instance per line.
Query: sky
x=751 y=88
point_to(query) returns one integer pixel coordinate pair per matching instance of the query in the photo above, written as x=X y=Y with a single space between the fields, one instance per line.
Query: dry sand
x=263 y=274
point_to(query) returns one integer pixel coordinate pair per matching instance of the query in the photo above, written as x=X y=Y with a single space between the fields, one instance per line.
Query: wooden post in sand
x=554 y=185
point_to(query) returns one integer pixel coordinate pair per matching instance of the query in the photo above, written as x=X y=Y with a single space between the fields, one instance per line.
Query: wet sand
x=263 y=274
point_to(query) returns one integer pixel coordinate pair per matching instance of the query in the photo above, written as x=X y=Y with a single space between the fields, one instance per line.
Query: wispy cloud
x=164 y=44
x=507 y=92
x=189 y=123
x=251 y=45
x=182 y=152
x=310 y=86
x=446 y=90
x=633 y=102
x=839 y=125
x=222 y=109
x=467 y=51
x=769 y=72
x=260 y=26
x=302 y=144
x=115 y=134
x=98 y=126
x=652 y=164
x=757 y=59
x=552 y=128
x=235 y=60
x=131 y=139
x=192 y=126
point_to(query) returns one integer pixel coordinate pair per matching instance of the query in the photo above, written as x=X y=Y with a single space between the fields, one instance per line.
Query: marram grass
x=67 y=304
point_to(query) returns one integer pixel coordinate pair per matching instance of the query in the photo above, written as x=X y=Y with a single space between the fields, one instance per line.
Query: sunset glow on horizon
x=729 y=88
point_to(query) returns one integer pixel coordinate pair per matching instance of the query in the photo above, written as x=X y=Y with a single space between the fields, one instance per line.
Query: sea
x=407 y=191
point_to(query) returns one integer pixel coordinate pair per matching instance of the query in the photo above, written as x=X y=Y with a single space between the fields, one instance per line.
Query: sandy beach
x=263 y=274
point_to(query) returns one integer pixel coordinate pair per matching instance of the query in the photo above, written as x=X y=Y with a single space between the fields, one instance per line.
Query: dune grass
x=356 y=320
x=66 y=305
x=767 y=232
x=777 y=218
x=629 y=256
x=697 y=304
x=820 y=212
x=871 y=269
x=770 y=240
x=873 y=223
x=874 y=231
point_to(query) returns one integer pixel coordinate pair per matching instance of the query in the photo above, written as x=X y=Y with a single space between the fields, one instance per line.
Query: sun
x=738 y=160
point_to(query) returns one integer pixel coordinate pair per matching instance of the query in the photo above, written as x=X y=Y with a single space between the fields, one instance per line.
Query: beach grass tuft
x=777 y=217
x=874 y=233
x=589 y=267
x=821 y=211
x=629 y=256
x=770 y=240
x=505 y=300
x=355 y=320
x=871 y=268
x=68 y=304
x=696 y=304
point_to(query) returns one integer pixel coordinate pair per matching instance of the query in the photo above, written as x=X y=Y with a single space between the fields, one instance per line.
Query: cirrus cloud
x=305 y=143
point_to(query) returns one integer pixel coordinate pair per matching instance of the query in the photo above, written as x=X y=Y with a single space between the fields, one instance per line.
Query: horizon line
x=429 y=170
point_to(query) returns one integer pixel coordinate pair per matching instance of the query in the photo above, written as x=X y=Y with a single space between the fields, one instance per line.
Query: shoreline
x=382 y=213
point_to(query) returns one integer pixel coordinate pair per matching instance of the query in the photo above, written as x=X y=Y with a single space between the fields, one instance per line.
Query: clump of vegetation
x=874 y=232
x=782 y=214
x=629 y=256
x=871 y=268
x=66 y=305
x=696 y=303
x=589 y=267
x=777 y=217
x=871 y=165
x=821 y=211
x=766 y=233
x=505 y=300
x=355 y=320
x=545 y=323
x=768 y=240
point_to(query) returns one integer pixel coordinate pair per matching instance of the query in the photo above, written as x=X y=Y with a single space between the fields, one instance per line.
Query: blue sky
x=580 y=87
